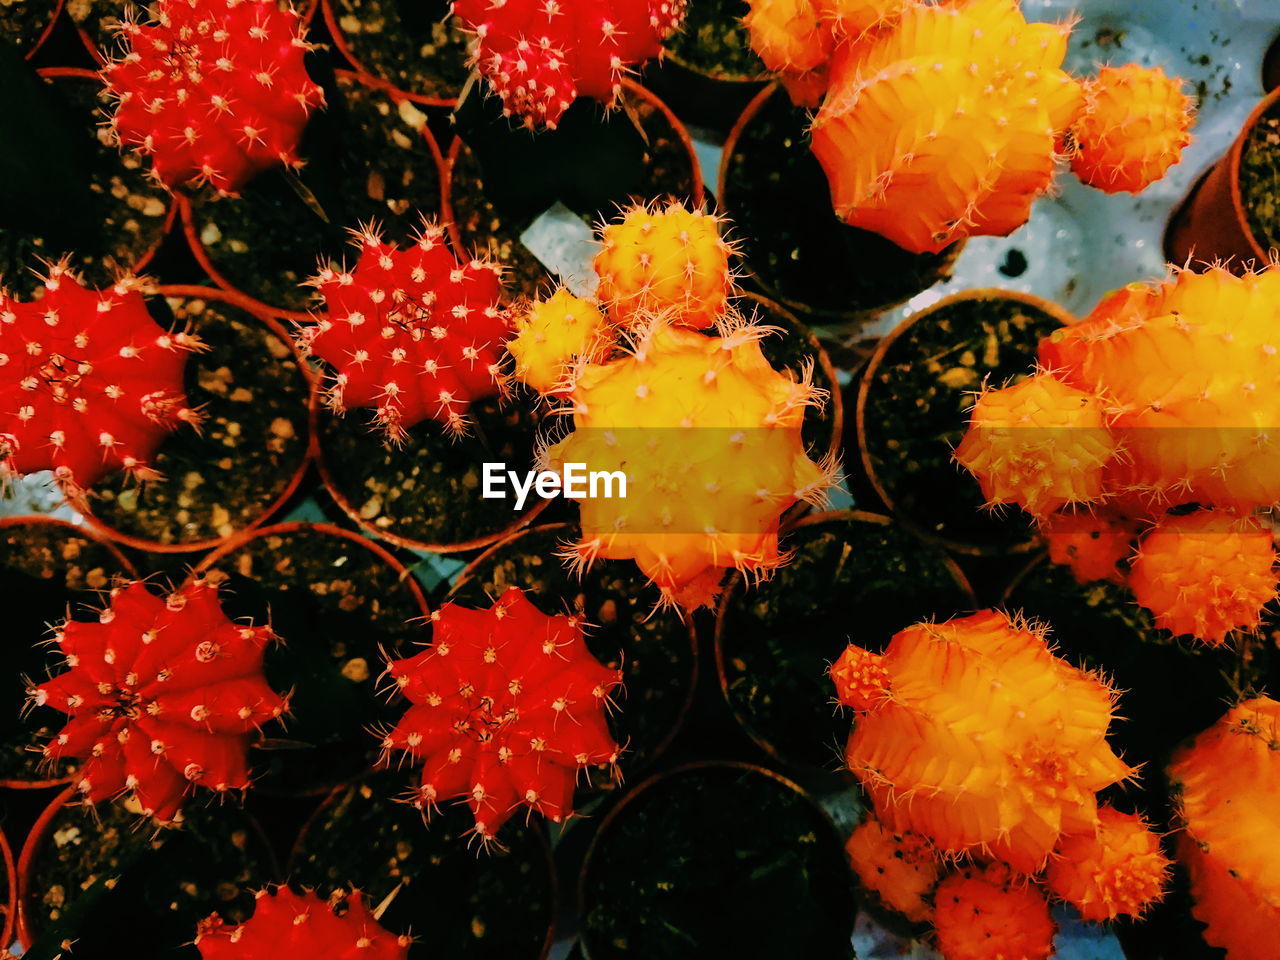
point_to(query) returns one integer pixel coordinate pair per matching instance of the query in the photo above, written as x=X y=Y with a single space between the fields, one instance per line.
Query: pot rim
x=1054 y=310
x=247 y=305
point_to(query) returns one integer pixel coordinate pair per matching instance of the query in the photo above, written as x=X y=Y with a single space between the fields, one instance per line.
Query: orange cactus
x=1205 y=574
x=788 y=35
x=986 y=913
x=982 y=740
x=1134 y=127
x=671 y=262
x=946 y=125
x=1040 y=444
x=1118 y=870
x=900 y=868
x=853 y=19
x=1226 y=782
x=1092 y=544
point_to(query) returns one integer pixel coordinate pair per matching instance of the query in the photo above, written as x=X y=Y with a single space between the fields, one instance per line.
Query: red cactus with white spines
x=508 y=705
x=214 y=91
x=541 y=55
x=162 y=695
x=412 y=333
x=89 y=382
x=288 y=924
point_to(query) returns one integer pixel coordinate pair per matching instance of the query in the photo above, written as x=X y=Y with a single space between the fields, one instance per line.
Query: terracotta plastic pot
x=1051 y=310
x=855 y=245
x=1211 y=223
x=31 y=49
x=29 y=926
x=191 y=229
x=276 y=329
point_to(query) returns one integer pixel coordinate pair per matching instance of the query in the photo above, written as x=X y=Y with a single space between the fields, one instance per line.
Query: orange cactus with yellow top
x=1135 y=124
x=900 y=868
x=945 y=120
x=1116 y=871
x=1205 y=574
x=708 y=436
x=987 y=913
x=974 y=735
x=671 y=261
x=1227 y=782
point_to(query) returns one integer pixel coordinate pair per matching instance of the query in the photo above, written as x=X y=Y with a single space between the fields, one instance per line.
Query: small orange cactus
x=552 y=334
x=900 y=868
x=986 y=913
x=1205 y=574
x=1118 y=870
x=708 y=435
x=1092 y=544
x=853 y=19
x=982 y=740
x=1135 y=124
x=788 y=35
x=1040 y=444
x=1226 y=782
x=671 y=262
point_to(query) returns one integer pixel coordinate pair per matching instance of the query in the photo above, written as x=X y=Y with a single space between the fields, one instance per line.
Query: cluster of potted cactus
x=992 y=656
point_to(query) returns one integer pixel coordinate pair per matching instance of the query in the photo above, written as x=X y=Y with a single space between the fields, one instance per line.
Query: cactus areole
x=162 y=695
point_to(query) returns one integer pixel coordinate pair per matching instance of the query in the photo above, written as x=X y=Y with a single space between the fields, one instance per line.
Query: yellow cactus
x=1135 y=124
x=671 y=262
x=1118 y=870
x=552 y=335
x=1205 y=574
x=1039 y=444
x=853 y=19
x=1226 y=784
x=986 y=913
x=708 y=435
x=946 y=125
x=980 y=739
x=900 y=868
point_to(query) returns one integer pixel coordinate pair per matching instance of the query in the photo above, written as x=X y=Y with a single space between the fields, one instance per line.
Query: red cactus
x=162 y=695
x=287 y=924
x=541 y=55
x=508 y=706
x=412 y=333
x=214 y=91
x=89 y=383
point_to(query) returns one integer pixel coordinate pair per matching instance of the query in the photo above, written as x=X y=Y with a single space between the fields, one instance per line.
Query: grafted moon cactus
x=541 y=55
x=670 y=261
x=554 y=334
x=89 y=382
x=974 y=735
x=288 y=924
x=508 y=705
x=946 y=125
x=1226 y=783
x=1205 y=574
x=900 y=868
x=1116 y=871
x=1040 y=444
x=987 y=913
x=162 y=695
x=708 y=436
x=789 y=35
x=1092 y=542
x=213 y=91
x=1135 y=124
x=412 y=333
